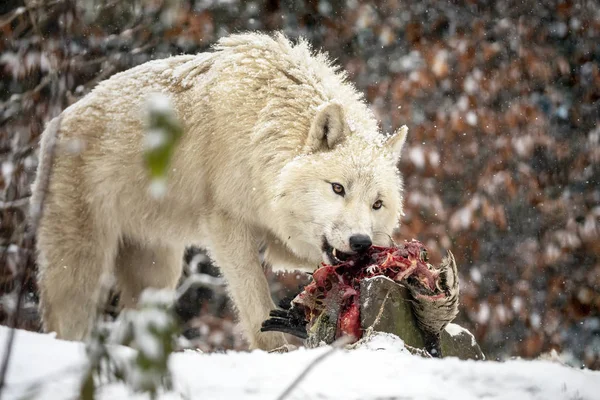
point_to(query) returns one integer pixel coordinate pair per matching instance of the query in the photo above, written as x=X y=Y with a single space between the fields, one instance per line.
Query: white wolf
x=278 y=150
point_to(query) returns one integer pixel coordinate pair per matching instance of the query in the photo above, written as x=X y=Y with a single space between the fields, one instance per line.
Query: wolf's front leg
x=234 y=248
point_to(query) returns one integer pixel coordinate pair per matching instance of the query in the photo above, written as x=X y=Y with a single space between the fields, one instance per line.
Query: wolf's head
x=343 y=193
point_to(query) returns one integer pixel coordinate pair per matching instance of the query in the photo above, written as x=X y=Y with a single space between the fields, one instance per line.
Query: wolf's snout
x=360 y=243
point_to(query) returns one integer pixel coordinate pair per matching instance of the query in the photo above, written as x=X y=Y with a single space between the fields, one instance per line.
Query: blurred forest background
x=502 y=165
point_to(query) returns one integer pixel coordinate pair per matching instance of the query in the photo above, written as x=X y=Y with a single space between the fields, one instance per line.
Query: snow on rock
x=380 y=368
x=457 y=330
x=383 y=341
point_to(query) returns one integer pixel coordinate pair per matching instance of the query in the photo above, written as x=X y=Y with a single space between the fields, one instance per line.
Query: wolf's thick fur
x=268 y=127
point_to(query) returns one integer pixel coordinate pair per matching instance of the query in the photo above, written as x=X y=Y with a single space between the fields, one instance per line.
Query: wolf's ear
x=397 y=140
x=328 y=128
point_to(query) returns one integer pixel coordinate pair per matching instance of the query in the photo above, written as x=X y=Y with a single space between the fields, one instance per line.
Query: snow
x=7 y=170
x=440 y=63
x=434 y=158
x=417 y=156
x=158 y=188
x=155 y=138
x=408 y=63
x=517 y=303
x=145 y=324
x=461 y=219
x=457 y=330
x=475 y=275
x=471 y=118
x=483 y=315
x=380 y=368
x=159 y=103
x=470 y=86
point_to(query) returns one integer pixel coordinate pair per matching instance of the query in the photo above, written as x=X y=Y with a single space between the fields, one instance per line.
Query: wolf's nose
x=360 y=243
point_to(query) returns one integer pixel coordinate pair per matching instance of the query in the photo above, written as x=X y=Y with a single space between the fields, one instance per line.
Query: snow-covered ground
x=380 y=369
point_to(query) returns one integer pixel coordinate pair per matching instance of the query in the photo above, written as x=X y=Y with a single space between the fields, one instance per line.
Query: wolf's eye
x=338 y=189
x=377 y=205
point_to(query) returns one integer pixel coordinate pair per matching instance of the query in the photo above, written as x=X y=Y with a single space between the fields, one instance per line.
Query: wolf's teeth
x=334 y=253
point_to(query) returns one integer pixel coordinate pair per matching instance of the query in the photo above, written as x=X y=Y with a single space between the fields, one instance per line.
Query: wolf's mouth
x=333 y=256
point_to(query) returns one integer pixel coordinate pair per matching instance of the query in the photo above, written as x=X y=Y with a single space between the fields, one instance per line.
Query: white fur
x=268 y=127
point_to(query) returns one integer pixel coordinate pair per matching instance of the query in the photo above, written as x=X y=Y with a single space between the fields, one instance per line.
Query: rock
x=397 y=317
x=459 y=342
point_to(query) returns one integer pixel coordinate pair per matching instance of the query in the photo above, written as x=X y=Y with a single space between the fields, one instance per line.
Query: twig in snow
x=339 y=343
x=418 y=352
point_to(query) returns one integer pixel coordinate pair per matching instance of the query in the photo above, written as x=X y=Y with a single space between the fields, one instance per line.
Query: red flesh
x=341 y=283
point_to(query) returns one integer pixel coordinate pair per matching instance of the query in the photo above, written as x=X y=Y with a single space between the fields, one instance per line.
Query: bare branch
x=18 y=203
x=36 y=214
x=17 y=12
x=13 y=248
x=19 y=97
x=11 y=16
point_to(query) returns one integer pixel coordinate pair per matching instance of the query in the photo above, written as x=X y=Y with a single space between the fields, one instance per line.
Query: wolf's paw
x=268 y=341
x=286 y=348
